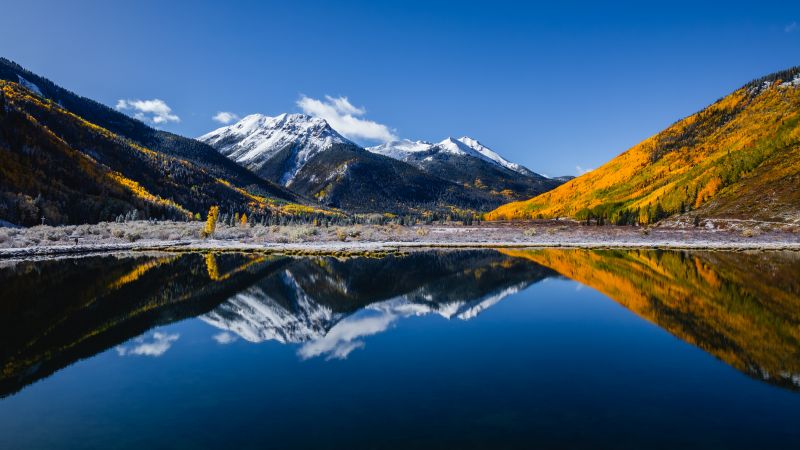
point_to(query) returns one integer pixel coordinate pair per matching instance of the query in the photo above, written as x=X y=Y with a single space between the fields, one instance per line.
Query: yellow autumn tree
x=211 y=221
x=243 y=220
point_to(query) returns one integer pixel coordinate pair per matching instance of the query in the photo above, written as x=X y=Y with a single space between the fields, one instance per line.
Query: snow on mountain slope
x=405 y=149
x=30 y=86
x=256 y=139
x=401 y=149
x=491 y=155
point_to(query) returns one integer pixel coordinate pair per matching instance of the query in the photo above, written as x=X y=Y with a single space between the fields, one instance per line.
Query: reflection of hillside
x=56 y=312
x=317 y=299
x=742 y=307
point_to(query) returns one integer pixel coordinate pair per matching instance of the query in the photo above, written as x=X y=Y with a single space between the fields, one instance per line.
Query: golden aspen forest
x=738 y=158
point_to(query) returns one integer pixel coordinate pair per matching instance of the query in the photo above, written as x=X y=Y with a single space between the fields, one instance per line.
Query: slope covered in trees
x=57 y=164
x=200 y=154
x=738 y=158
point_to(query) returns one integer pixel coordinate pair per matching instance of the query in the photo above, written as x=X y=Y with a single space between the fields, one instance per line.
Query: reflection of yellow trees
x=743 y=308
x=739 y=141
x=138 y=271
x=213 y=269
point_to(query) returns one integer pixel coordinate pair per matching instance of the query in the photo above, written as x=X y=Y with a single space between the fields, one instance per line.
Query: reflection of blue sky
x=156 y=344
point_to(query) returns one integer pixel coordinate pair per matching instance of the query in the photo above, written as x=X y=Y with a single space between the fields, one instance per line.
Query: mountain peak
x=257 y=138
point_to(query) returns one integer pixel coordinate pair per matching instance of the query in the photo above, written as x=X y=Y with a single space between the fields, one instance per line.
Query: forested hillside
x=59 y=167
x=739 y=158
x=56 y=165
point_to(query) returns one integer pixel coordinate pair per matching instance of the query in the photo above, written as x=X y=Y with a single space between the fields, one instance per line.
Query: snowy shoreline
x=45 y=241
x=359 y=248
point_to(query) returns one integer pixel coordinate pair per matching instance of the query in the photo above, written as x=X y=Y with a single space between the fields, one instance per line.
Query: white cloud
x=156 y=346
x=791 y=28
x=347 y=335
x=581 y=170
x=156 y=110
x=225 y=117
x=346 y=118
x=224 y=338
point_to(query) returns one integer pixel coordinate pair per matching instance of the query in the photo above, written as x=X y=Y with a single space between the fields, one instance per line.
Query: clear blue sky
x=551 y=86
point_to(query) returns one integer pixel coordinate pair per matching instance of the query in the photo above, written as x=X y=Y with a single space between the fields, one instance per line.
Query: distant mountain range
x=737 y=159
x=306 y=155
x=467 y=162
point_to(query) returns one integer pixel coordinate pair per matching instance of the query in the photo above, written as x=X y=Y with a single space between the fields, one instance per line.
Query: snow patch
x=30 y=86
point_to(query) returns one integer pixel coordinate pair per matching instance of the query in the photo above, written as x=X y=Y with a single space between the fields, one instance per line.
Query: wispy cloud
x=224 y=338
x=157 y=345
x=225 y=117
x=348 y=335
x=156 y=110
x=581 y=170
x=346 y=118
x=791 y=28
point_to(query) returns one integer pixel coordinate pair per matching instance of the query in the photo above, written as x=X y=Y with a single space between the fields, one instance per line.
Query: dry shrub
x=750 y=232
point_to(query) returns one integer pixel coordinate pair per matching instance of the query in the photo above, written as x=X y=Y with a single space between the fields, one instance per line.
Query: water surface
x=467 y=349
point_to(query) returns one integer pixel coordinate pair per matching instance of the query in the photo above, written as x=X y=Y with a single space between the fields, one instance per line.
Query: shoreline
x=46 y=241
x=376 y=248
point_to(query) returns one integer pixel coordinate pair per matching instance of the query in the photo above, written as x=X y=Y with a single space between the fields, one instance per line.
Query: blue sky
x=559 y=88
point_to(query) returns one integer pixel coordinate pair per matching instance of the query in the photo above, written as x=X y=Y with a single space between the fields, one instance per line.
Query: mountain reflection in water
x=744 y=308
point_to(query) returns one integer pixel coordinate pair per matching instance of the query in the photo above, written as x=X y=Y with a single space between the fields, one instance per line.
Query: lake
x=548 y=348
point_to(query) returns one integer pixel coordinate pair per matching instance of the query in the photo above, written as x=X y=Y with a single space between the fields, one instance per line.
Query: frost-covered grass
x=545 y=233
x=112 y=232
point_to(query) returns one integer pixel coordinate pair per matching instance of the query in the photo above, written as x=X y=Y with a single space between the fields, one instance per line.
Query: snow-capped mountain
x=256 y=140
x=307 y=155
x=407 y=150
x=468 y=163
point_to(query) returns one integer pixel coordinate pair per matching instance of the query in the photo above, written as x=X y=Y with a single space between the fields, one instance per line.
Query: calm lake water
x=451 y=349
